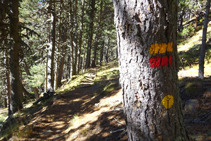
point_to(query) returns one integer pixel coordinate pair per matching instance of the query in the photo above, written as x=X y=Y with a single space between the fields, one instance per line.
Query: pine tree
x=147 y=46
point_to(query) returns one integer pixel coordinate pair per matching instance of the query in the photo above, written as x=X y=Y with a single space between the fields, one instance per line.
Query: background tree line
x=45 y=42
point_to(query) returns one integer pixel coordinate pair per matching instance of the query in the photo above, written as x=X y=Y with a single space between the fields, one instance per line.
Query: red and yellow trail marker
x=160 y=49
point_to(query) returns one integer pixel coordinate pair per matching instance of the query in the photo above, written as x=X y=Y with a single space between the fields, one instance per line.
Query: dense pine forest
x=61 y=79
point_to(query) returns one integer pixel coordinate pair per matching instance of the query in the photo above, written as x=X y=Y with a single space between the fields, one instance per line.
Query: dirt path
x=80 y=115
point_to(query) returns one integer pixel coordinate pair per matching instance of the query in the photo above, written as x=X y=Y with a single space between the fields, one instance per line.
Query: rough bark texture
x=203 y=45
x=140 y=24
x=16 y=89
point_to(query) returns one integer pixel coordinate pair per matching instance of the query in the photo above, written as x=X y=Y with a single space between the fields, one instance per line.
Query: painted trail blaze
x=160 y=49
x=168 y=101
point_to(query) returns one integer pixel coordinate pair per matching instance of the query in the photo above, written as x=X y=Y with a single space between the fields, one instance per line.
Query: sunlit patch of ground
x=196 y=39
x=85 y=121
x=193 y=72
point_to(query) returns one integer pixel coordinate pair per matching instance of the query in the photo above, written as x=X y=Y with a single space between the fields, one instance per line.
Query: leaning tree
x=147 y=47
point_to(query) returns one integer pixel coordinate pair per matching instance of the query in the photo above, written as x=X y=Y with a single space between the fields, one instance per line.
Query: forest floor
x=93 y=112
x=89 y=108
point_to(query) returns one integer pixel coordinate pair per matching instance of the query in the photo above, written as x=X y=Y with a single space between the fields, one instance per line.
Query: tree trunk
x=98 y=34
x=16 y=89
x=147 y=46
x=80 y=38
x=101 y=54
x=8 y=83
x=91 y=25
x=61 y=63
x=51 y=50
x=76 y=36
x=107 y=51
x=196 y=21
x=203 y=45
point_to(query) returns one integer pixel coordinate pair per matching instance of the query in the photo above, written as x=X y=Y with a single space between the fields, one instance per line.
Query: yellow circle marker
x=168 y=101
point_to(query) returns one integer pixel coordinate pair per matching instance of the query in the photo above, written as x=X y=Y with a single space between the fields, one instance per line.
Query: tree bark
x=203 y=45
x=147 y=46
x=16 y=89
x=51 y=50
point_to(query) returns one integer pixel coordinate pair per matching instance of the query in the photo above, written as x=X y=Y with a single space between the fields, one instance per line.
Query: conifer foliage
x=46 y=41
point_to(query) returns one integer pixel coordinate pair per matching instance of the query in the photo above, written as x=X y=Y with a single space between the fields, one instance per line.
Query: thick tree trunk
x=16 y=89
x=147 y=46
x=91 y=25
x=203 y=45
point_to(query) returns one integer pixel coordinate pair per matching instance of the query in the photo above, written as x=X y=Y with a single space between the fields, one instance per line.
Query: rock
x=191 y=106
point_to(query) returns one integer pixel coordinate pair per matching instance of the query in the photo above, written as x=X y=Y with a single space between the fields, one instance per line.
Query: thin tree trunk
x=107 y=51
x=203 y=45
x=80 y=38
x=76 y=36
x=147 y=46
x=91 y=25
x=98 y=34
x=101 y=54
x=51 y=50
x=61 y=63
x=16 y=89
x=8 y=82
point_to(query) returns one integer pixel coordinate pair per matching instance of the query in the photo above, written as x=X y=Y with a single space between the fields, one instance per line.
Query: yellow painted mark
x=161 y=48
x=168 y=101
x=149 y=8
x=169 y=47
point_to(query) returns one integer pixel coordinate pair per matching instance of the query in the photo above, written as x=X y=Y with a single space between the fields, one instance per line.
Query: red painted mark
x=160 y=61
x=164 y=61
x=170 y=60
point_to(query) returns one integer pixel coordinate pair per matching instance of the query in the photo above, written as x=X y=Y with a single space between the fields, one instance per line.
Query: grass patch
x=110 y=87
x=72 y=84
